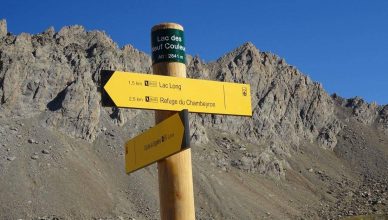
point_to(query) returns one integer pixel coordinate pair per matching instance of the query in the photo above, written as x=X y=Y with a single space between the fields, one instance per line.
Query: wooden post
x=175 y=172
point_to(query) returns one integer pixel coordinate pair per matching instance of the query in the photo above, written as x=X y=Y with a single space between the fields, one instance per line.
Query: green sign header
x=168 y=45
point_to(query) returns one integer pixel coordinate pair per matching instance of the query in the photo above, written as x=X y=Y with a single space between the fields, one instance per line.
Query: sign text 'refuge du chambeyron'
x=146 y=91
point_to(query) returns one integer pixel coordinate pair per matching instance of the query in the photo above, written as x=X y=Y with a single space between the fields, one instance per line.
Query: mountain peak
x=248 y=46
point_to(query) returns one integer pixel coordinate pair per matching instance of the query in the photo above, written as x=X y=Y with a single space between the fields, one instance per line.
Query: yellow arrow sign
x=166 y=138
x=146 y=91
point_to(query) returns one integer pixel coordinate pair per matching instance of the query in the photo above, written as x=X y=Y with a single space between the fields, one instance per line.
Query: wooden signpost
x=176 y=193
x=168 y=91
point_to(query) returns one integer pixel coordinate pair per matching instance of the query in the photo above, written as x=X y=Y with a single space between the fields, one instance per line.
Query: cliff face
x=53 y=77
x=57 y=74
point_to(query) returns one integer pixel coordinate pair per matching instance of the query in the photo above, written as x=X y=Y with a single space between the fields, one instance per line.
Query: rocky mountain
x=303 y=154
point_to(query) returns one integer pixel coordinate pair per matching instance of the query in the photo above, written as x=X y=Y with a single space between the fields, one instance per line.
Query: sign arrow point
x=105 y=97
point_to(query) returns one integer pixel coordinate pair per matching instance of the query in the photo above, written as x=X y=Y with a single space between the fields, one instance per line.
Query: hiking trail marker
x=146 y=91
x=168 y=91
x=166 y=138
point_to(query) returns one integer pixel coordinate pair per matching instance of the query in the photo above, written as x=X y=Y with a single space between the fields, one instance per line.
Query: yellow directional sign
x=146 y=91
x=166 y=138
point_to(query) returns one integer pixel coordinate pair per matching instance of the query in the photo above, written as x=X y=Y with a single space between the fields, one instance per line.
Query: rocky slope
x=301 y=144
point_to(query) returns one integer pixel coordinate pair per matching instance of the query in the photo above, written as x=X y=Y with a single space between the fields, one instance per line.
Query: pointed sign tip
x=106 y=100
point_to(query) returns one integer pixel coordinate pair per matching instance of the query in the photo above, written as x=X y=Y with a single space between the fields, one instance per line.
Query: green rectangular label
x=168 y=45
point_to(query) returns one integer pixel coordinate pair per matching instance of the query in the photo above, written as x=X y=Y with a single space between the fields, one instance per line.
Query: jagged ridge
x=56 y=74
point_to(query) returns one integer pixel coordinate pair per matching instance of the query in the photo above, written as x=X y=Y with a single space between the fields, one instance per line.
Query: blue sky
x=342 y=44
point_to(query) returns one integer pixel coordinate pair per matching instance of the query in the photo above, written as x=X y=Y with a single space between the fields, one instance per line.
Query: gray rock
x=383 y=119
x=33 y=141
x=34 y=157
x=44 y=151
x=57 y=75
x=364 y=112
x=3 y=28
x=11 y=158
x=64 y=74
x=287 y=106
